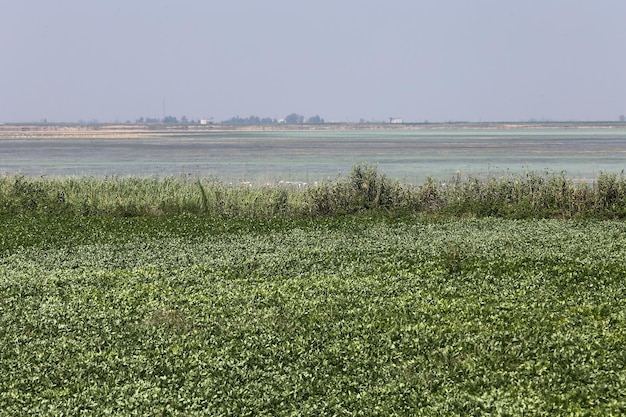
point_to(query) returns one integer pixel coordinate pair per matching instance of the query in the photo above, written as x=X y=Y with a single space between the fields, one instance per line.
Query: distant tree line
x=291 y=119
x=166 y=120
x=252 y=120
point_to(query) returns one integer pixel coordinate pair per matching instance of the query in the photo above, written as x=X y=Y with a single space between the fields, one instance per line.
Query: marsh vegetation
x=529 y=195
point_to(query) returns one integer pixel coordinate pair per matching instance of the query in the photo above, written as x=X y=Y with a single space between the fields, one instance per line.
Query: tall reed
x=529 y=195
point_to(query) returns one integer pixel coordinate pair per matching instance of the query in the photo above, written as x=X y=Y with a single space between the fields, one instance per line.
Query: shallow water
x=308 y=156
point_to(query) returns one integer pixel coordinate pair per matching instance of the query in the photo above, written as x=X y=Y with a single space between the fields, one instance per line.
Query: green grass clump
x=532 y=195
x=136 y=196
x=349 y=315
x=364 y=189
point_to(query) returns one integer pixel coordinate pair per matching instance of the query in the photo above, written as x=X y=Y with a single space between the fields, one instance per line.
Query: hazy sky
x=436 y=60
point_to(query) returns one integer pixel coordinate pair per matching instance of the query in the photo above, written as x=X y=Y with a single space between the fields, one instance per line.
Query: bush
x=365 y=189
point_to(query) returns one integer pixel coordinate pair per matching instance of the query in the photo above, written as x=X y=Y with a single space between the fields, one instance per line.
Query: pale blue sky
x=436 y=60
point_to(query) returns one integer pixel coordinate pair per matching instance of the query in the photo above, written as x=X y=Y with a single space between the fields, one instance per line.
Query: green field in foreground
x=188 y=315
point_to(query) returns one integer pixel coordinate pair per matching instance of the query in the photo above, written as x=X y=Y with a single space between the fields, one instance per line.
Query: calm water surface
x=307 y=156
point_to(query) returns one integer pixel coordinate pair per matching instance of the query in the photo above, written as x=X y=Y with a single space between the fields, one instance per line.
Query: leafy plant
x=360 y=314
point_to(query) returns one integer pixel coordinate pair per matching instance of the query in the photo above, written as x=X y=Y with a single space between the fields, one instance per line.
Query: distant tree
x=315 y=120
x=252 y=120
x=235 y=121
x=294 y=119
x=232 y=121
x=140 y=120
x=170 y=119
x=184 y=119
x=622 y=118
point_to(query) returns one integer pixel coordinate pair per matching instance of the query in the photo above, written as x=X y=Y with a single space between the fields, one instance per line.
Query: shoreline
x=130 y=131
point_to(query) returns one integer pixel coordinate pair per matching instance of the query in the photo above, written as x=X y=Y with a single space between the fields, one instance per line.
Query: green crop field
x=362 y=314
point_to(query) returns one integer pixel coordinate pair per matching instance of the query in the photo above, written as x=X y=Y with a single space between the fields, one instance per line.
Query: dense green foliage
x=533 y=195
x=359 y=296
x=195 y=315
